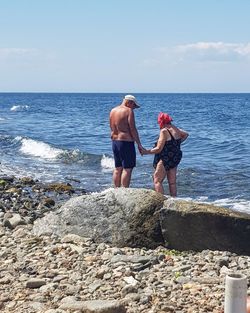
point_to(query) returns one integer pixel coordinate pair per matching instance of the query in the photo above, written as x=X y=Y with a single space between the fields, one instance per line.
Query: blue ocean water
x=66 y=137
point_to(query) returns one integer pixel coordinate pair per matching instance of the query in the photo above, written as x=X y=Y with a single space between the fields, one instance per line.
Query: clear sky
x=125 y=45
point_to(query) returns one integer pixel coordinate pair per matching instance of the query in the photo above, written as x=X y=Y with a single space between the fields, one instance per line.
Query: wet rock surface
x=24 y=200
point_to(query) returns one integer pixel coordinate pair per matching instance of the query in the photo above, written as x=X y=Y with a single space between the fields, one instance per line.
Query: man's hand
x=145 y=151
x=142 y=150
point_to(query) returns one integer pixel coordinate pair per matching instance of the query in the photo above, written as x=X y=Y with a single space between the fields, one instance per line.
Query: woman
x=168 y=153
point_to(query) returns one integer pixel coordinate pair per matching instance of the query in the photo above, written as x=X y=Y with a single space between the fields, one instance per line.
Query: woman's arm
x=183 y=134
x=160 y=144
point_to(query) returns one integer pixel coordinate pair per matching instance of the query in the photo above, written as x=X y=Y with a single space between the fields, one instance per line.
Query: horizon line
x=133 y=92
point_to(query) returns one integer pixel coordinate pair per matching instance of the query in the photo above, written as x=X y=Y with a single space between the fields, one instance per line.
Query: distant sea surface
x=66 y=137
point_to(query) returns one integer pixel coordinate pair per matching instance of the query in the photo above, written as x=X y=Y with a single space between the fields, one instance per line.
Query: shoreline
x=56 y=275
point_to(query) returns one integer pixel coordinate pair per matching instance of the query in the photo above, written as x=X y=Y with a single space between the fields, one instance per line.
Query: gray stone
x=121 y=216
x=72 y=238
x=131 y=258
x=35 y=283
x=104 y=306
x=73 y=306
x=182 y=268
x=37 y=306
x=60 y=278
x=128 y=289
x=94 y=306
x=14 y=221
x=54 y=311
x=95 y=285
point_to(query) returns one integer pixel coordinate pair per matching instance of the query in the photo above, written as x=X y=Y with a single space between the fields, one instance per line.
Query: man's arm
x=110 y=125
x=132 y=127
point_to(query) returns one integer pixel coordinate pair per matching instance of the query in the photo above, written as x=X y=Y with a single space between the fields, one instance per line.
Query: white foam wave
x=18 y=138
x=235 y=204
x=107 y=163
x=19 y=108
x=39 y=149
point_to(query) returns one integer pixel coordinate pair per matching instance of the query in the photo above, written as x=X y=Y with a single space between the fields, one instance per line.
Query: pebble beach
x=74 y=274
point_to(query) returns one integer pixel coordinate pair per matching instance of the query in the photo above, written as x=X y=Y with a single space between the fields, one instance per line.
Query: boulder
x=121 y=217
x=194 y=226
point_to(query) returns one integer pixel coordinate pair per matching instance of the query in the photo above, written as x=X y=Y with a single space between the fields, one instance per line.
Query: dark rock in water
x=198 y=226
x=122 y=216
x=9 y=179
x=14 y=190
x=72 y=179
x=59 y=187
x=27 y=181
x=48 y=202
x=2 y=183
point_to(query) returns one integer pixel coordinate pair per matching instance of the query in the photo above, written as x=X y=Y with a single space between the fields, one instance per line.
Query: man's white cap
x=132 y=98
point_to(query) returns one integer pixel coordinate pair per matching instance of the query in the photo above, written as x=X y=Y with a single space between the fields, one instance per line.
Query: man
x=123 y=135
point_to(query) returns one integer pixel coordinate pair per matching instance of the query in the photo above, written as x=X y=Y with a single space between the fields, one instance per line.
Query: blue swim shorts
x=124 y=153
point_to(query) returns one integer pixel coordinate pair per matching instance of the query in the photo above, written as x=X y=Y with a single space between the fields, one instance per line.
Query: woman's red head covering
x=164 y=118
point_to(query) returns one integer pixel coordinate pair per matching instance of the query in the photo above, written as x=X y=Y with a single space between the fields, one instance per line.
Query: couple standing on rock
x=167 y=150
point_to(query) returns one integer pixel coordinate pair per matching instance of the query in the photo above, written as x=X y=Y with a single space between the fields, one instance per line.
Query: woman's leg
x=171 y=176
x=159 y=175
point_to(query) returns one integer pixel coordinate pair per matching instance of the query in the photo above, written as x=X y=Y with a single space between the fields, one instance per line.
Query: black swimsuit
x=171 y=153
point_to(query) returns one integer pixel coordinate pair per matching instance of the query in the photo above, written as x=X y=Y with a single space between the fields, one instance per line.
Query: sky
x=127 y=46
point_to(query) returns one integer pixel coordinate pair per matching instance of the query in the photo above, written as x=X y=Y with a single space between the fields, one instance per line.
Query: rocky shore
x=49 y=274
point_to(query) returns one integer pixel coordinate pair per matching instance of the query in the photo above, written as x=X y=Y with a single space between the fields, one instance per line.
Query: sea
x=65 y=137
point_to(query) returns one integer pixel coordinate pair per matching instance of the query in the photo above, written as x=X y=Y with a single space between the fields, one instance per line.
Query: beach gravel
x=49 y=274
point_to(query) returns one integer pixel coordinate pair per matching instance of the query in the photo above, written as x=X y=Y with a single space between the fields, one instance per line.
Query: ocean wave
x=46 y=151
x=107 y=163
x=240 y=205
x=8 y=142
x=235 y=204
x=39 y=149
x=15 y=108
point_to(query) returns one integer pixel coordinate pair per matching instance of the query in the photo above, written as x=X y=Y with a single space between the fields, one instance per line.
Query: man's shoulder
x=114 y=109
x=121 y=108
x=118 y=107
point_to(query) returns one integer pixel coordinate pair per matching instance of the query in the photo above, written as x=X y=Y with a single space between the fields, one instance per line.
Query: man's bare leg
x=126 y=177
x=117 y=174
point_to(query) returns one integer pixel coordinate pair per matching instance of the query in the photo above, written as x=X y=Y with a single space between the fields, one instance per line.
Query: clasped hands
x=142 y=150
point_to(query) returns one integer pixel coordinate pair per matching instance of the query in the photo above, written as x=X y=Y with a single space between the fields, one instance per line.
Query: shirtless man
x=123 y=135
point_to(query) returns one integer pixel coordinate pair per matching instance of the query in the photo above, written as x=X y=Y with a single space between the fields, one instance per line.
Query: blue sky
x=125 y=46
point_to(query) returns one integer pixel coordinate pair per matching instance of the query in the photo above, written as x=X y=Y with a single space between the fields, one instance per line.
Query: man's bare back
x=119 y=123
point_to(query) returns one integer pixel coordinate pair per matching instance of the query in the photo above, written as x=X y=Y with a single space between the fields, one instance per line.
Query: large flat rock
x=194 y=226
